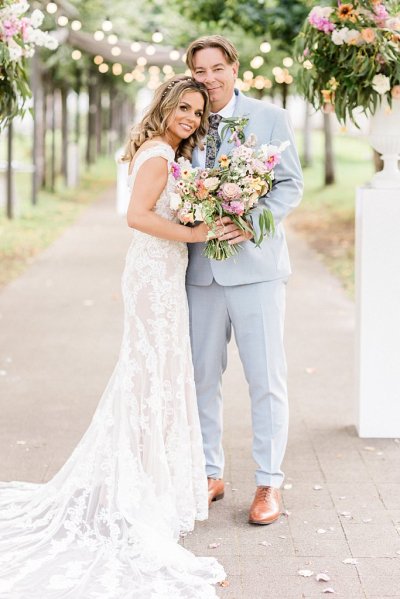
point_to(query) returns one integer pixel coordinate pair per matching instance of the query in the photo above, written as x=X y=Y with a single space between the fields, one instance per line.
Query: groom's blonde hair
x=212 y=41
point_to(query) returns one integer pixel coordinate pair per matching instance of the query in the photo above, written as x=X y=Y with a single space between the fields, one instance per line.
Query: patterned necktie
x=213 y=140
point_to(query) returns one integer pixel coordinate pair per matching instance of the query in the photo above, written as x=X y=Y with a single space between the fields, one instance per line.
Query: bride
x=107 y=525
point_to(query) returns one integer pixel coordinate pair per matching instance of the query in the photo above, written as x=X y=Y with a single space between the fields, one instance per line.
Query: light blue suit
x=248 y=293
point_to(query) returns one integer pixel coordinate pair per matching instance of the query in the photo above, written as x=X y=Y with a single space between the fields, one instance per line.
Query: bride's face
x=186 y=117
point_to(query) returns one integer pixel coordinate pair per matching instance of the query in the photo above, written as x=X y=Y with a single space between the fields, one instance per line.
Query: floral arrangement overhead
x=20 y=33
x=350 y=56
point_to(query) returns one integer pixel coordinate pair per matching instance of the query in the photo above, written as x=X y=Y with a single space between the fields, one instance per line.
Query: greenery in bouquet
x=233 y=188
x=350 y=56
x=19 y=35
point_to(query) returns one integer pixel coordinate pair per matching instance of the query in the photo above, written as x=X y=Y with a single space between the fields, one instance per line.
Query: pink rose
x=231 y=191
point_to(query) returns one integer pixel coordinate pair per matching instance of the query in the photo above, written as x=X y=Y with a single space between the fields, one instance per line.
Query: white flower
x=15 y=52
x=393 y=23
x=36 y=18
x=51 y=43
x=322 y=11
x=338 y=36
x=352 y=36
x=198 y=213
x=174 y=201
x=381 y=84
x=211 y=183
x=19 y=8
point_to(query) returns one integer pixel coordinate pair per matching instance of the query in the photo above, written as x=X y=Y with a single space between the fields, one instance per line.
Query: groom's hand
x=231 y=232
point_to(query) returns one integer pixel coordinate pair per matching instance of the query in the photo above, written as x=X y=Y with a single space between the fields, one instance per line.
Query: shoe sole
x=262 y=523
x=216 y=498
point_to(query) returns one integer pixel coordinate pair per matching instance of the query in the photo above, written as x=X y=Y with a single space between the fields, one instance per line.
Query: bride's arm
x=150 y=182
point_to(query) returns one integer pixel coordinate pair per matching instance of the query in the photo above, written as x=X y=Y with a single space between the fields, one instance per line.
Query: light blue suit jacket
x=271 y=261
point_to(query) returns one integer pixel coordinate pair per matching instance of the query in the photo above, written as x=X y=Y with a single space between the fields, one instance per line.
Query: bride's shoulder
x=152 y=149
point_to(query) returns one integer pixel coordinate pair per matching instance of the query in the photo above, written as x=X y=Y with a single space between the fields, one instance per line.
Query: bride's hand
x=201 y=233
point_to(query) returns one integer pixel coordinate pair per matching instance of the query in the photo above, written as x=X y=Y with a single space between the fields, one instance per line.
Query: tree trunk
x=44 y=177
x=64 y=133
x=91 y=122
x=10 y=174
x=307 y=142
x=53 y=142
x=38 y=127
x=285 y=93
x=329 y=156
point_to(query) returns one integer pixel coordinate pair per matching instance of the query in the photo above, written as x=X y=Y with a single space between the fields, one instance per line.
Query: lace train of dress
x=107 y=525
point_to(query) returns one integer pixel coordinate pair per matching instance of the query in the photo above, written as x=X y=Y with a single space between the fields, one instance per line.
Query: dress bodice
x=163 y=150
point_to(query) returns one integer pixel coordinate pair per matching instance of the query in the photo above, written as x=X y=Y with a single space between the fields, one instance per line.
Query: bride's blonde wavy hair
x=155 y=121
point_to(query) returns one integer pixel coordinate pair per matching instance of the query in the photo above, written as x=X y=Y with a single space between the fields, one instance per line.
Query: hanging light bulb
x=265 y=47
x=107 y=25
x=150 y=50
x=76 y=55
x=76 y=25
x=157 y=37
x=136 y=47
x=98 y=35
x=52 y=8
x=62 y=20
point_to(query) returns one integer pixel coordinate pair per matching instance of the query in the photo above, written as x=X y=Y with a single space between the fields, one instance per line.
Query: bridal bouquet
x=233 y=188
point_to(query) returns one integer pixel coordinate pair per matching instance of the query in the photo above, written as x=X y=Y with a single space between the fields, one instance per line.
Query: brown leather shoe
x=216 y=489
x=266 y=506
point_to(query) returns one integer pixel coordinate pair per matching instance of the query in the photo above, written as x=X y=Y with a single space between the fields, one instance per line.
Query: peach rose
x=395 y=91
x=368 y=35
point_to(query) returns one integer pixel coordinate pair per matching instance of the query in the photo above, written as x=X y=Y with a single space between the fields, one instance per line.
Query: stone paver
x=61 y=326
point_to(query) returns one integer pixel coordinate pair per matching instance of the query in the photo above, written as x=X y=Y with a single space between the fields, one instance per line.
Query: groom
x=247 y=292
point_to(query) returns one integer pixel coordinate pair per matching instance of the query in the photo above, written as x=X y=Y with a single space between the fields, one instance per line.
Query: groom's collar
x=229 y=109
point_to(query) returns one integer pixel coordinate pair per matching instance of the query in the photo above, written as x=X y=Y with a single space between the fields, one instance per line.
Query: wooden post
x=64 y=133
x=53 y=142
x=329 y=156
x=307 y=143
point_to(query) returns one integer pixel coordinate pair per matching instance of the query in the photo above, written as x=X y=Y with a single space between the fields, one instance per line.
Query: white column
x=378 y=312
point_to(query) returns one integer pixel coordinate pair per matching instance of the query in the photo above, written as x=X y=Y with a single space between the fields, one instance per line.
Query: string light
x=117 y=68
x=103 y=68
x=76 y=54
x=248 y=75
x=265 y=47
x=62 y=20
x=150 y=50
x=116 y=51
x=98 y=59
x=76 y=25
x=98 y=35
x=142 y=61
x=107 y=25
x=136 y=47
x=174 y=55
x=128 y=77
x=112 y=39
x=167 y=69
x=257 y=62
x=287 y=62
x=52 y=8
x=157 y=37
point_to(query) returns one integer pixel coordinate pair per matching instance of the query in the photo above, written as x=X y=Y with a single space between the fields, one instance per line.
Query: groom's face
x=211 y=68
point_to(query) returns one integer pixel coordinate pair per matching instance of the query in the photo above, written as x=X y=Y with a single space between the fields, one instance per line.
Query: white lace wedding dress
x=107 y=525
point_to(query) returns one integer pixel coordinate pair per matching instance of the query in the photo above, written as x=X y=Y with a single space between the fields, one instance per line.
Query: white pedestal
x=378 y=312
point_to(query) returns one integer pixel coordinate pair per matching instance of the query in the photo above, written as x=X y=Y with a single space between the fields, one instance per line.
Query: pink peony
x=234 y=207
x=176 y=170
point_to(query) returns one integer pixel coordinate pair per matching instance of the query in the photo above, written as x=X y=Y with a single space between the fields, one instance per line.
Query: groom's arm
x=287 y=187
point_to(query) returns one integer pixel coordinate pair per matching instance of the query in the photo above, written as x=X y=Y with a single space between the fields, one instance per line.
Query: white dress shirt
x=226 y=112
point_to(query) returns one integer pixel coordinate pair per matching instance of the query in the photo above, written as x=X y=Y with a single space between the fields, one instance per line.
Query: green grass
x=35 y=227
x=326 y=215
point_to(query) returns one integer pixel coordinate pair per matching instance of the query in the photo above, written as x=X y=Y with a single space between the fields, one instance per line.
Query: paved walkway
x=60 y=329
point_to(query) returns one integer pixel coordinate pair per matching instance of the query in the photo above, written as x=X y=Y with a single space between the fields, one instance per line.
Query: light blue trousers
x=256 y=313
